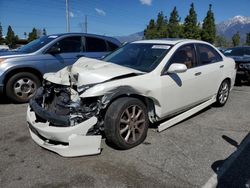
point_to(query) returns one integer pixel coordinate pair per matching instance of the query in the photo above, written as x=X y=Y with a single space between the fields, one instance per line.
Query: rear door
x=211 y=67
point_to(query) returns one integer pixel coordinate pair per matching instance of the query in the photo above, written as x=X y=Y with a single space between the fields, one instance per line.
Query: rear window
x=207 y=54
x=95 y=45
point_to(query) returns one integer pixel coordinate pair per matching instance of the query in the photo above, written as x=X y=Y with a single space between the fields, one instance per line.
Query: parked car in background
x=4 y=48
x=241 y=55
x=141 y=82
x=21 y=70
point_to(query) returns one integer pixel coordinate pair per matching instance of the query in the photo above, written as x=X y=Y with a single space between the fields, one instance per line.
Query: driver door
x=69 y=50
x=181 y=90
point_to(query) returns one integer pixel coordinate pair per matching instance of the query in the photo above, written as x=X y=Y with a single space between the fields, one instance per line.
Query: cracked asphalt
x=182 y=156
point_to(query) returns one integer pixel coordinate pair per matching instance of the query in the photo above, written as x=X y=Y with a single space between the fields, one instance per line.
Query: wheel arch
x=229 y=80
x=126 y=91
x=22 y=69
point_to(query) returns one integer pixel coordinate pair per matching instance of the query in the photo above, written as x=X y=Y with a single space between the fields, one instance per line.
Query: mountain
x=132 y=37
x=229 y=27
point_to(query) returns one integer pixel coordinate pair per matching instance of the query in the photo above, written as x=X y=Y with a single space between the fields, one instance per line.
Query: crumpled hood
x=89 y=71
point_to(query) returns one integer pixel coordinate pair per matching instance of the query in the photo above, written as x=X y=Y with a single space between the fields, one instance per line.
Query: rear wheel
x=22 y=86
x=126 y=123
x=223 y=93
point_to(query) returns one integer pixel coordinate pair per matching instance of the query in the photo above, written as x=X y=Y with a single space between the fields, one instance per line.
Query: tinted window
x=139 y=56
x=112 y=46
x=207 y=54
x=95 y=45
x=185 y=55
x=69 y=44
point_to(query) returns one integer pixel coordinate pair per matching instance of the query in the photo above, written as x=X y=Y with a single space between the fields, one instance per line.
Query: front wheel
x=126 y=123
x=22 y=86
x=223 y=93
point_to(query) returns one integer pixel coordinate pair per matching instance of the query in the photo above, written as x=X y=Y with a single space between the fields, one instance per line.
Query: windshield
x=36 y=44
x=140 y=56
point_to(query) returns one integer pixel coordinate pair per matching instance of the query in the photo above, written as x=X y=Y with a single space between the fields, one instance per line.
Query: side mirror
x=54 y=50
x=177 y=68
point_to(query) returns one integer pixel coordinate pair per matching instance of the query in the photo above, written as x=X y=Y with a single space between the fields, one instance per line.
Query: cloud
x=71 y=14
x=146 y=2
x=100 y=12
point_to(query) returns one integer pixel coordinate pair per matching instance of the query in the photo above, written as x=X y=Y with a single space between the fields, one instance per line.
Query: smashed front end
x=60 y=121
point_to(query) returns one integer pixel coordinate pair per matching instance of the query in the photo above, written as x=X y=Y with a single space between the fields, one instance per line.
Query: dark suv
x=241 y=55
x=21 y=71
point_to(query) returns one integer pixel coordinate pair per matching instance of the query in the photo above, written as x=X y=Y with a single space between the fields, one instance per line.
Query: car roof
x=169 y=41
x=112 y=39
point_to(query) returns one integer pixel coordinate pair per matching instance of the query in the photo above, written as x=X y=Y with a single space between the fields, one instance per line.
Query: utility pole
x=86 y=24
x=67 y=17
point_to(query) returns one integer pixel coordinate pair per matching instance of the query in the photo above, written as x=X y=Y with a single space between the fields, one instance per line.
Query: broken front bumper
x=69 y=141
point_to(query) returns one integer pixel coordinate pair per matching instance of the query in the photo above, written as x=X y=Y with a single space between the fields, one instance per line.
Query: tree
x=11 y=37
x=1 y=34
x=236 y=39
x=44 y=32
x=173 y=25
x=248 y=39
x=208 y=32
x=191 y=28
x=32 y=35
x=161 y=26
x=221 y=41
x=150 y=32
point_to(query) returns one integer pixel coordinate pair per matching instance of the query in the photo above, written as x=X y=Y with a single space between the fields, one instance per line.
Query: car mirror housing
x=177 y=68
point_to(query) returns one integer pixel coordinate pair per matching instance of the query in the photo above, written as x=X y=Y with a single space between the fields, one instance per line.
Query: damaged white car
x=117 y=98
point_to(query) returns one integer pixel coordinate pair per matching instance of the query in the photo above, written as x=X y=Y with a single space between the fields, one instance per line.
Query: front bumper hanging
x=69 y=141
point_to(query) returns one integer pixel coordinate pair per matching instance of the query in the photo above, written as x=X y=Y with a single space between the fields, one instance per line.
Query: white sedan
x=118 y=97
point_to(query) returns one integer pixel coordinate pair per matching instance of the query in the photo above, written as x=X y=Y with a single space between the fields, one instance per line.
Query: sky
x=106 y=17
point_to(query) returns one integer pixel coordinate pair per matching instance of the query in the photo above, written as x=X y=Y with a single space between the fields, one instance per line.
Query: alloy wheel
x=132 y=124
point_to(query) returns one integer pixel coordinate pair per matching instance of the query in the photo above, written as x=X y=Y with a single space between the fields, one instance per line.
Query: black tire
x=26 y=82
x=115 y=124
x=223 y=93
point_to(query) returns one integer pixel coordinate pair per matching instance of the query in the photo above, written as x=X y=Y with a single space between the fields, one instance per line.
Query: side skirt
x=184 y=115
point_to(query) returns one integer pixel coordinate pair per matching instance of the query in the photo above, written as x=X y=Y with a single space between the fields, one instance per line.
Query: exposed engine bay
x=61 y=106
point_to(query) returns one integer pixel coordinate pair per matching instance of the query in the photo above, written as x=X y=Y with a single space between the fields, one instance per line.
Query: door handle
x=221 y=66
x=197 y=74
x=78 y=56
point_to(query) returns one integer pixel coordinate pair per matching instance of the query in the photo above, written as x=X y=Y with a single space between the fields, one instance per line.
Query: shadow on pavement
x=234 y=171
x=4 y=99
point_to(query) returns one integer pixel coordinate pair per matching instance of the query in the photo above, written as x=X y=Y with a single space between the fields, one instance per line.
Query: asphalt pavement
x=213 y=143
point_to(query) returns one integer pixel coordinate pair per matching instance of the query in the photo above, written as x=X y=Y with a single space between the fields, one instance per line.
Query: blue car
x=21 y=71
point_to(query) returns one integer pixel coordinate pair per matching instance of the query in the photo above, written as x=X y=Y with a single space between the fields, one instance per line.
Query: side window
x=95 y=45
x=185 y=55
x=69 y=44
x=207 y=54
x=112 y=46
